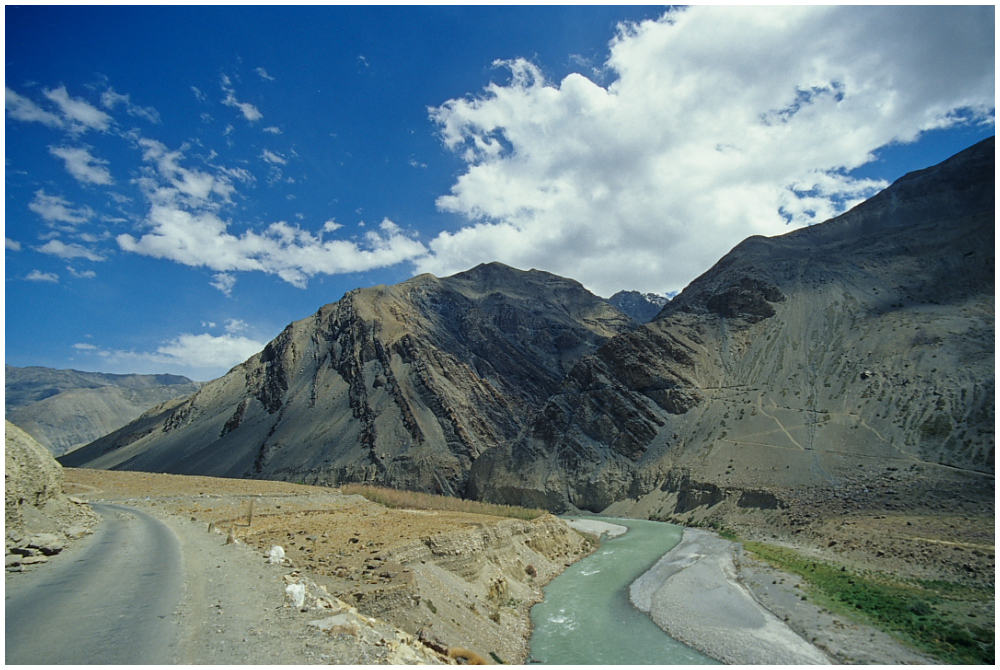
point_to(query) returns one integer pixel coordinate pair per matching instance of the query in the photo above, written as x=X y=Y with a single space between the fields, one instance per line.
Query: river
x=586 y=617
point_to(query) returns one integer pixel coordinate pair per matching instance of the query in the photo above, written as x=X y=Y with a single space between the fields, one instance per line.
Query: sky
x=183 y=182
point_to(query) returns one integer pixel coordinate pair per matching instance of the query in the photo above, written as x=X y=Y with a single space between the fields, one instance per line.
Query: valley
x=826 y=398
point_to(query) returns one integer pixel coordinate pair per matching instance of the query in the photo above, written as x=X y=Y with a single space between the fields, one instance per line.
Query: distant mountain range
x=642 y=307
x=796 y=362
x=64 y=409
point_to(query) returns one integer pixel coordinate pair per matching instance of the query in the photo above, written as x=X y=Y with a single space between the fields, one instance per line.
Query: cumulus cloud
x=84 y=167
x=718 y=123
x=37 y=275
x=203 y=239
x=11 y=245
x=262 y=73
x=249 y=112
x=68 y=251
x=200 y=356
x=274 y=130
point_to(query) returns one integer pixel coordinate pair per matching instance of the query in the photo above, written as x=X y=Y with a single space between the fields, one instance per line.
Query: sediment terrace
x=438 y=583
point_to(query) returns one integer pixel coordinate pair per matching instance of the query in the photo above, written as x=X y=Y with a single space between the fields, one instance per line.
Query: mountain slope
x=642 y=307
x=403 y=385
x=64 y=409
x=813 y=359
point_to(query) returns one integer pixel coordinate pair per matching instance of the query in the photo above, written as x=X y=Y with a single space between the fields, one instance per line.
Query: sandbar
x=693 y=594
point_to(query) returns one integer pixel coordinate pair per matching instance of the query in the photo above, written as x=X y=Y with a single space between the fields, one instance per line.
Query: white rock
x=297 y=592
x=276 y=554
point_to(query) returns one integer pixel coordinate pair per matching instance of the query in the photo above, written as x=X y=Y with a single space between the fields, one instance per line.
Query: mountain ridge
x=402 y=385
x=650 y=408
x=810 y=359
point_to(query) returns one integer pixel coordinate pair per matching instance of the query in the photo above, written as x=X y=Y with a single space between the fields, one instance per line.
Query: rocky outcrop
x=866 y=340
x=31 y=476
x=39 y=519
x=402 y=385
x=65 y=409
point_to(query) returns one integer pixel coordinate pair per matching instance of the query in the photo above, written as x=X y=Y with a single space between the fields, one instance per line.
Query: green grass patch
x=910 y=609
x=413 y=500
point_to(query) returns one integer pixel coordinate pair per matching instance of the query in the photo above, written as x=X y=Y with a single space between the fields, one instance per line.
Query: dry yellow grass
x=412 y=500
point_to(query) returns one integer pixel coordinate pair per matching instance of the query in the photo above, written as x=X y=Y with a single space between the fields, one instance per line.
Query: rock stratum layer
x=400 y=385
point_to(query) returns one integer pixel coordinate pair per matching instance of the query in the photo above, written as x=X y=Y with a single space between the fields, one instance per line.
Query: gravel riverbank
x=709 y=595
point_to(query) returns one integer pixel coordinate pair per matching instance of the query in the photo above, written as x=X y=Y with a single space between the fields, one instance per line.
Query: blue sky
x=181 y=183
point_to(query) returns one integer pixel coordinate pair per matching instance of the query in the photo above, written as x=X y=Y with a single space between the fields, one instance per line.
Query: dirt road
x=110 y=602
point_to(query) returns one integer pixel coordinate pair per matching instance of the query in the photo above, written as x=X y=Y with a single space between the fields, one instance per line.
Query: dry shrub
x=470 y=657
x=413 y=500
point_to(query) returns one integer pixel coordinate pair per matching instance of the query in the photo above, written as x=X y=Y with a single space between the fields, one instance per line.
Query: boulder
x=31 y=476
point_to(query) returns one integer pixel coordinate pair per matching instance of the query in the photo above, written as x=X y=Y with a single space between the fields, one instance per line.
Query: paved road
x=109 y=601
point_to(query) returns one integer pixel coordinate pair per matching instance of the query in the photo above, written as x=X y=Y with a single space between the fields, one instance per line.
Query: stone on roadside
x=47 y=543
x=276 y=554
x=32 y=560
x=343 y=623
x=297 y=594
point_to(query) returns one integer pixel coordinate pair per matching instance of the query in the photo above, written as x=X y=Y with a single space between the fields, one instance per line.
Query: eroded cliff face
x=863 y=342
x=403 y=386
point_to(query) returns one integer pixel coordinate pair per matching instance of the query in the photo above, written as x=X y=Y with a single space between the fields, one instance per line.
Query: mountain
x=642 y=307
x=64 y=409
x=834 y=358
x=401 y=385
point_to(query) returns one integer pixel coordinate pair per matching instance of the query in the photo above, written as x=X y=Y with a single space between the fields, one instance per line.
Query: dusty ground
x=416 y=570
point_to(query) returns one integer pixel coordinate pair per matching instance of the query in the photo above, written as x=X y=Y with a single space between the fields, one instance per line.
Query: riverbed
x=587 y=618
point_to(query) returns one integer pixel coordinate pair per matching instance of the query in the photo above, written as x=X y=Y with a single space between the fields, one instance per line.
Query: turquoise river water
x=587 y=618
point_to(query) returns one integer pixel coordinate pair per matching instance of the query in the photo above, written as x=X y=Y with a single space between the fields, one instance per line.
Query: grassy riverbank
x=934 y=616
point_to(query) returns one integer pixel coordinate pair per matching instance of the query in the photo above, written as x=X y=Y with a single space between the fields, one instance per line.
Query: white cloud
x=209 y=351
x=84 y=274
x=274 y=130
x=331 y=226
x=273 y=157
x=199 y=356
x=718 y=123
x=83 y=166
x=111 y=99
x=36 y=275
x=249 y=112
x=68 y=251
x=224 y=281
x=55 y=209
x=23 y=109
x=11 y=245
x=202 y=239
x=184 y=225
x=171 y=183
x=234 y=326
x=80 y=114
x=262 y=73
